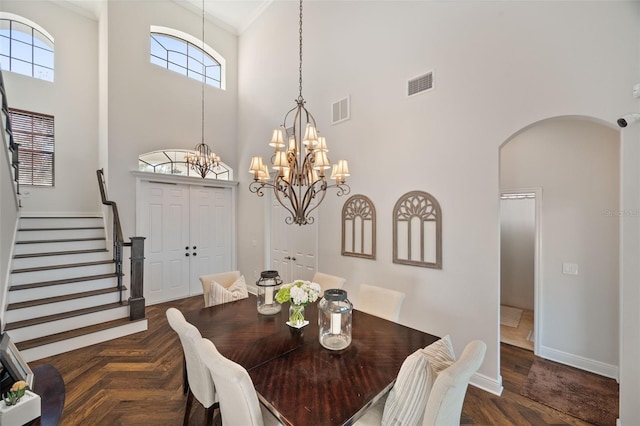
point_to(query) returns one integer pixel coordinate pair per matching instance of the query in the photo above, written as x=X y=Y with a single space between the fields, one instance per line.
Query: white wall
x=576 y=163
x=72 y=99
x=151 y=108
x=517 y=251
x=500 y=66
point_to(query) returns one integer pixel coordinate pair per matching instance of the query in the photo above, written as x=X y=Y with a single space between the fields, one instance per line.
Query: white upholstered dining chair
x=381 y=302
x=445 y=397
x=223 y=287
x=239 y=404
x=198 y=382
x=327 y=281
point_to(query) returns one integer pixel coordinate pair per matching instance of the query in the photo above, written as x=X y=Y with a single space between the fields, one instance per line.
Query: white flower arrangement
x=299 y=292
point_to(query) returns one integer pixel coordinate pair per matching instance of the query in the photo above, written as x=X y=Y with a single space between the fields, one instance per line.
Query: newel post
x=136 y=300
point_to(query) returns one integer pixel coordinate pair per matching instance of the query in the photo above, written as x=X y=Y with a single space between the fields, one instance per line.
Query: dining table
x=296 y=378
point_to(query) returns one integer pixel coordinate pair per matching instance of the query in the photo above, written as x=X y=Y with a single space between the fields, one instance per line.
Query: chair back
x=379 y=301
x=239 y=403
x=225 y=279
x=444 y=405
x=200 y=381
x=327 y=281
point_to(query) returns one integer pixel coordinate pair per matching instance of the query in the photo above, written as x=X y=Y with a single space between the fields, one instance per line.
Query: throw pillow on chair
x=236 y=291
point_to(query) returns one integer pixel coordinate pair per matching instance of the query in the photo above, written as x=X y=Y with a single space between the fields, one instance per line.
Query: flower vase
x=296 y=316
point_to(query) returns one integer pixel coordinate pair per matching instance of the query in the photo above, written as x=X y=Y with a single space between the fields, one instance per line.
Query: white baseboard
x=487 y=383
x=597 y=367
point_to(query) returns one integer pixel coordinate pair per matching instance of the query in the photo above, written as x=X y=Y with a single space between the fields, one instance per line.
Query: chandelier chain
x=204 y=76
x=202 y=159
x=300 y=45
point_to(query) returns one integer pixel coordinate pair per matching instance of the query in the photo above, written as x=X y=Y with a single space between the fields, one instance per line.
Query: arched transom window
x=25 y=47
x=172 y=162
x=186 y=55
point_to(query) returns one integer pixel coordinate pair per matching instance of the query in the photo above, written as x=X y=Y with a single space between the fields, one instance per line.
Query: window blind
x=34 y=132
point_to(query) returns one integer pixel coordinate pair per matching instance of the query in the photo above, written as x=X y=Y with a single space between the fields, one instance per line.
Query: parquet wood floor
x=137 y=380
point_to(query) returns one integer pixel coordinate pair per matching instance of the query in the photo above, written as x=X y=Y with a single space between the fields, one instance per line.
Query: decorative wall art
x=417 y=230
x=359 y=227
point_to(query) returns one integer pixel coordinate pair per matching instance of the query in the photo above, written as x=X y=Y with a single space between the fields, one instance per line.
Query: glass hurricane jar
x=268 y=285
x=334 y=320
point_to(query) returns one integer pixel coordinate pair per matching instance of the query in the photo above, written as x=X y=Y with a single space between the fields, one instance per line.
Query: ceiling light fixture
x=300 y=162
x=202 y=159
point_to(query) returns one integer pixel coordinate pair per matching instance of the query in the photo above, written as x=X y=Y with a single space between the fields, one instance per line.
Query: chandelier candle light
x=300 y=162
x=202 y=160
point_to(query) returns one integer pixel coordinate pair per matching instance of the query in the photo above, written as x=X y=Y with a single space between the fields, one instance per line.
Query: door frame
x=537 y=263
x=191 y=181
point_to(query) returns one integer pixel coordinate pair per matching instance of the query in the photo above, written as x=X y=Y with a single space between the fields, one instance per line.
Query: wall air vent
x=420 y=84
x=341 y=110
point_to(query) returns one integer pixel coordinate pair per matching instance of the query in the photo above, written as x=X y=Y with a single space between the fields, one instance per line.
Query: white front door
x=165 y=224
x=189 y=231
x=293 y=247
x=210 y=233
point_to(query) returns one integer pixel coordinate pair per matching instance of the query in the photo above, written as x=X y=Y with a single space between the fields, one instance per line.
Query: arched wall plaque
x=359 y=227
x=417 y=230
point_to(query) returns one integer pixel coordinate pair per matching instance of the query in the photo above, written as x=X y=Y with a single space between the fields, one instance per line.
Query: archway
x=575 y=161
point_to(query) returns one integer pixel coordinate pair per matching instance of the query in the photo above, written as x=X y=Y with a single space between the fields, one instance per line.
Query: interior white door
x=280 y=242
x=210 y=233
x=165 y=224
x=294 y=248
x=305 y=248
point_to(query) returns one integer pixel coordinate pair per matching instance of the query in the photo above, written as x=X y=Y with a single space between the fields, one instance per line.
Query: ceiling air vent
x=420 y=84
x=340 y=110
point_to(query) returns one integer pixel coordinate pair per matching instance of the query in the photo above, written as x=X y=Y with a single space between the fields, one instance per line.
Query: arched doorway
x=575 y=161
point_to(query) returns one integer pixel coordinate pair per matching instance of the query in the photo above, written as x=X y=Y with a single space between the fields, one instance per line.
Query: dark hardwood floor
x=137 y=380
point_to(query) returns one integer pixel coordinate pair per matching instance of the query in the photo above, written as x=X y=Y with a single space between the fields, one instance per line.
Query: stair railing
x=12 y=146
x=136 y=299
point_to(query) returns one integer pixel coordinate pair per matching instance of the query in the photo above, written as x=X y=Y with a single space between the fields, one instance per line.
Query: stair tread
x=62 y=315
x=62 y=266
x=58 y=253
x=62 y=240
x=19 y=287
x=38 y=302
x=61 y=217
x=67 y=228
x=41 y=341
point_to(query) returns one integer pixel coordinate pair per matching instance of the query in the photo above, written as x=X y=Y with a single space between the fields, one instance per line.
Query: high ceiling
x=233 y=15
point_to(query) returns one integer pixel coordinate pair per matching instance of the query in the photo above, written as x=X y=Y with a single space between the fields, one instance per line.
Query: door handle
x=186 y=254
x=287 y=258
x=186 y=248
x=194 y=247
x=293 y=258
x=195 y=254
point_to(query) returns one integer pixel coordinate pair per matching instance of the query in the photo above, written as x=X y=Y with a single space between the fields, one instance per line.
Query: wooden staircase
x=63 y=292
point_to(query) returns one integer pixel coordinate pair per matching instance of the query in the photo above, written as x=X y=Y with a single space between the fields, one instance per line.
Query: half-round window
x=25 y=47
x=186 y=55
x=172 y=162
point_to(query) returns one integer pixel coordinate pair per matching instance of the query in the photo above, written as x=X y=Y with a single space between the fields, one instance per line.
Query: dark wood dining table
x=301 y=382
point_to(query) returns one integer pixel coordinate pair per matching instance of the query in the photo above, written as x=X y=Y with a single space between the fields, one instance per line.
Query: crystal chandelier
x=300 y=162
x=202 y=159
